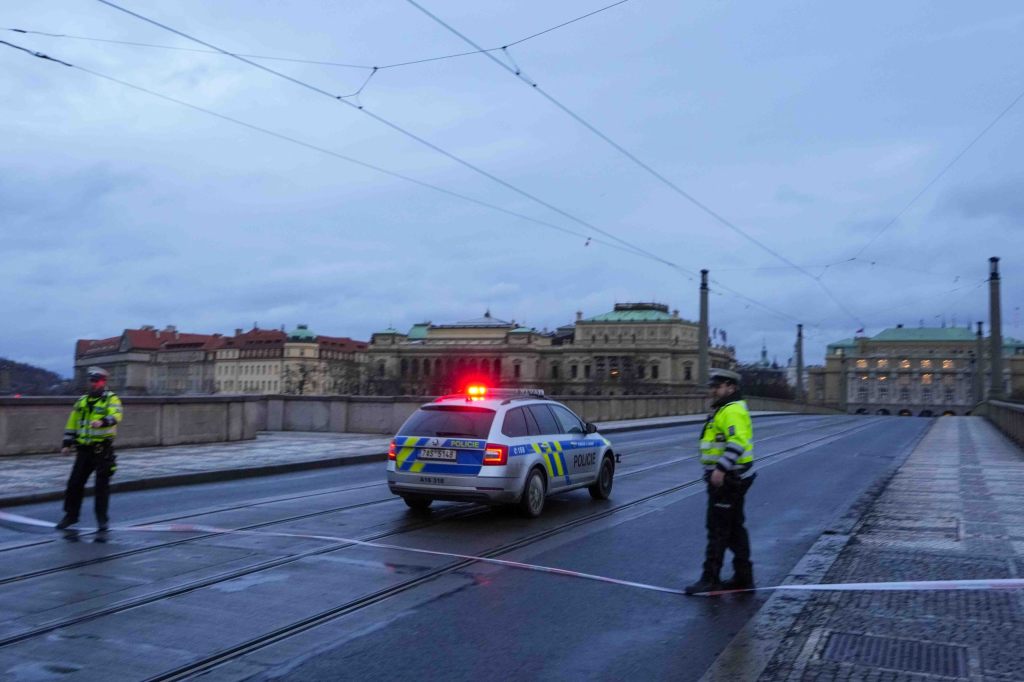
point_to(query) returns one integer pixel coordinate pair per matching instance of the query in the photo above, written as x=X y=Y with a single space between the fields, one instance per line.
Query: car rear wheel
x=532 y=502
x=418 y=503
x=602 y=487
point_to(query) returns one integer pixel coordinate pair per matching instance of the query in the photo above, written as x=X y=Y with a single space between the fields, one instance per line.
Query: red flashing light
x=496 y=454
x=392 y=450
x=477 y=391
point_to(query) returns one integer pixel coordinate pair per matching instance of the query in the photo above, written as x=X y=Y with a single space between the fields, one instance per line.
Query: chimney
x=979 y=365
x=579 y=315
x=238 y=331
x=995 y=332
x=800 y=363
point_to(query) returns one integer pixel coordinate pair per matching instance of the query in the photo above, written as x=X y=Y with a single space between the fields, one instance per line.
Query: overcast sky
x=808 y=125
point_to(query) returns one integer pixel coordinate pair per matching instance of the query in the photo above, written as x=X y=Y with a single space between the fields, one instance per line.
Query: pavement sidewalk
x=41 y=478
x=951 y=511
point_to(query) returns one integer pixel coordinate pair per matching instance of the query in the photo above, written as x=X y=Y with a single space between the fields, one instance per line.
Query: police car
x=497 y=446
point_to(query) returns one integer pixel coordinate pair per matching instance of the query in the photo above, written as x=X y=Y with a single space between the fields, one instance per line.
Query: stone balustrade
x=36 y=425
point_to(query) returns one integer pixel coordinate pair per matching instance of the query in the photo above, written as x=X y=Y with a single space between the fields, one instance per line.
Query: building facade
x=922 y=371
x=637 y=348
x=259 y=361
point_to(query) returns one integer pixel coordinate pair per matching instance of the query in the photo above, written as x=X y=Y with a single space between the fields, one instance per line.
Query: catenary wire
x=635 y=159
x=186 y=49
x=322 y=150
x=307 y=145
x=463 y=162
x=942 y=172
x=397 y=128
x=318 y=62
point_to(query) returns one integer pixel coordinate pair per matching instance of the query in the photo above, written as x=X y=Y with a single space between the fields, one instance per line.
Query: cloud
x=1002 y=201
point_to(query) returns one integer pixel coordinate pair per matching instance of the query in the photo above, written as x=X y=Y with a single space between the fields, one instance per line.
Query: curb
x=201 y=477
x=222 y=475
x=747 y=655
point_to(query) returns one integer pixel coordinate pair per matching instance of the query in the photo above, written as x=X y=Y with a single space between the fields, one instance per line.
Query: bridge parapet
x=36 y=425
x=1008 y=417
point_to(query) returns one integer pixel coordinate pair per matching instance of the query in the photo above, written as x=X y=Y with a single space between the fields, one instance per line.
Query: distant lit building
x=923 y=371
x=637 y=348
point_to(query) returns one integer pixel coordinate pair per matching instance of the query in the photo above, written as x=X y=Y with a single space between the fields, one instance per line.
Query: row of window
x=883 y=363
x=882 y=394
x=926 y=378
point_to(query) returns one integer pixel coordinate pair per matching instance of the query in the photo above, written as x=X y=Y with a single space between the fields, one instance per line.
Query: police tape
x=7 y=518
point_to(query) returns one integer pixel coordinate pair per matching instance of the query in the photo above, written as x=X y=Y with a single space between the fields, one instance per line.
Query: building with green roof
x=635 y=348
x=927 y=371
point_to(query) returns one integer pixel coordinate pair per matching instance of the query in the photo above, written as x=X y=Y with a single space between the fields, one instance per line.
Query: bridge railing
x=36 y=425
x=1008 y=417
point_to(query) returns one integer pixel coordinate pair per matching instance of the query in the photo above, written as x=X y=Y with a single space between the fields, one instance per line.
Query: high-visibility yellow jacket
x=106 y=408
x=727 y=442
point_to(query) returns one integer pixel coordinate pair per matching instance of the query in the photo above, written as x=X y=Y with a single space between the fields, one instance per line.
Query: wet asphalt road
x=152 y=609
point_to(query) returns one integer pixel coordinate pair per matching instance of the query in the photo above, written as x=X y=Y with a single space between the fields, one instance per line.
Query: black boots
x=67 y=521
x=102 y=523
x=708 y=582
x=742 y=579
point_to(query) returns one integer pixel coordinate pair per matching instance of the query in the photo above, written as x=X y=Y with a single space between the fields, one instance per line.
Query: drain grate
x=907 y=655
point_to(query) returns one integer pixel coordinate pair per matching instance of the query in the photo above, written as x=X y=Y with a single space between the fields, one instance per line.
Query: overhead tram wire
x=635 y=159
x=363 y=164
x=323 y=150
x=379 y=169
x=318 y=62
x=187 y=49
x=403 y=131
x=945 y=169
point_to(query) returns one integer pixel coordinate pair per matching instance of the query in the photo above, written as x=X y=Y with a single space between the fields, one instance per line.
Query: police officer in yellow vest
x=727 y=454
x=91 y=428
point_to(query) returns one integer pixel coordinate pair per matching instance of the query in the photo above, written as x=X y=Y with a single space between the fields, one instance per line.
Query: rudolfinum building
x=913 y=372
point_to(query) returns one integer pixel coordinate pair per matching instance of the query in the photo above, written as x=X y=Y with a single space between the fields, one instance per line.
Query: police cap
x=97 y=373
x=723 y=376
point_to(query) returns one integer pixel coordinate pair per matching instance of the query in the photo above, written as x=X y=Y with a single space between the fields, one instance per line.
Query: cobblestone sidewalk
x=952 y=511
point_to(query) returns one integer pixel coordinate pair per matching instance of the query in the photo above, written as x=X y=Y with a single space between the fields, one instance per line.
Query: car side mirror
x=591 y=428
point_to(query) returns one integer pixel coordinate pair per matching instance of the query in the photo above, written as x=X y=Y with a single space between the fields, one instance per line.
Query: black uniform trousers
x=89 y=458
x=725 y=524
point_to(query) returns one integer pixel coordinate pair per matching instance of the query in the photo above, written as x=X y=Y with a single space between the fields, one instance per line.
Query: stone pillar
x=979 y=365
x=702 y=332
x=801 y=394
x=995 y=329
x=844 y=386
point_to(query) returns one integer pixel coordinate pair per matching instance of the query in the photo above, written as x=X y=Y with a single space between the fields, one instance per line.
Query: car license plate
x=433 y=453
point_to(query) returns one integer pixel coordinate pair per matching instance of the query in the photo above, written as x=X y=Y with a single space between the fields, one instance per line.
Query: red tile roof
x=169 y=339
x=342 y=343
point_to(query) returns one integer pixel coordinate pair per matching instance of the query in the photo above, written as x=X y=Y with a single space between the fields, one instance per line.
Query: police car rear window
x=449 y=421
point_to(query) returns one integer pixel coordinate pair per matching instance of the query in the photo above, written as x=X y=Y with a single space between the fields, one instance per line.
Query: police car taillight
x=496 y=454
x=392 y=450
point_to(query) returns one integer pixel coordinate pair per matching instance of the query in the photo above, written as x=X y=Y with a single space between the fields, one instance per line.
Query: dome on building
x=302 y=333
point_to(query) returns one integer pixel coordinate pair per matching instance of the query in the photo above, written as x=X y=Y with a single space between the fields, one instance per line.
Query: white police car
x=497 y=446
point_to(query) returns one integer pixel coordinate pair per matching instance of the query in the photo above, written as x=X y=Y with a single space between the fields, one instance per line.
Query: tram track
x=364 y=601
x=254 y=644
x=436 y=518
